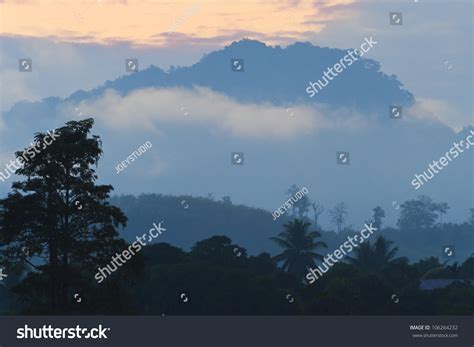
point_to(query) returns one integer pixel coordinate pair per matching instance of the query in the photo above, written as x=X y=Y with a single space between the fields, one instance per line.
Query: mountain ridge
x=271 y=74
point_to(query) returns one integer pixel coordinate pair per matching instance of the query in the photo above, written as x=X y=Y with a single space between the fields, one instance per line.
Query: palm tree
x=374 y=257
x=298 y=245
x=364 y=256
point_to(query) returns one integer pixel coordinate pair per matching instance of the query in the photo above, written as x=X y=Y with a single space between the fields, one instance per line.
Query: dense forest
x=58 y=228
x=420 y=231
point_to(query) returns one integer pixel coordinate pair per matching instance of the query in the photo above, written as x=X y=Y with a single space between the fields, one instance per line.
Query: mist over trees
x=57 y=226
x=377 y=217
x=318 y=210
x=253 y=228
x=338 y=215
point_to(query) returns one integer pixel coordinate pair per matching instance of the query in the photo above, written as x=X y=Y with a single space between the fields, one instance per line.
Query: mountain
x=191 y=156
x=276 y=75
x=271 y=74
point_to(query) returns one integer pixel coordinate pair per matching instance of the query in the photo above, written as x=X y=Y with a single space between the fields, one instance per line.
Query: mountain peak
x=272 y=74
x=247 y=43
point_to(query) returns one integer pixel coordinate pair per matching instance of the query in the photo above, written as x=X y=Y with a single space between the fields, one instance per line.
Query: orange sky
x=148 y=22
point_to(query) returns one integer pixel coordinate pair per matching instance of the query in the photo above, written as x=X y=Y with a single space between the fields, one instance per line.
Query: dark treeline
x=420 y=231
x=58 y=227
x=218 y=277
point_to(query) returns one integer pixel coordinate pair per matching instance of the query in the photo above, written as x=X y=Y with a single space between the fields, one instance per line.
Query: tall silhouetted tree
x=57 y=219
x=338 y=215
x=302 y=205
x=417 y=214
x=318 y=209
x=379 y=213
x=299 y=245
x=441 y=208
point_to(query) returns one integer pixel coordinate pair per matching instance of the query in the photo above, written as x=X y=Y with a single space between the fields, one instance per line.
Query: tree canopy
x=57 y=219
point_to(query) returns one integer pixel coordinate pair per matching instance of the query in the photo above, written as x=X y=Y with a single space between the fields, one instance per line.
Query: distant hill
x=191 y=219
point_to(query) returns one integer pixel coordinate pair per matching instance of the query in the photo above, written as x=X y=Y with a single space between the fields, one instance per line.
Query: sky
x=80 y=44
x=165 y=23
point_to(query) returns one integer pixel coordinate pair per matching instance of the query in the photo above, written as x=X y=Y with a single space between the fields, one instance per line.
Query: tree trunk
x=53 y=253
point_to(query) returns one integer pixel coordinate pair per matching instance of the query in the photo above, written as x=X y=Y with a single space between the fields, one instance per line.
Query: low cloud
x=15 y=87
x=151 y=109
x=438 y=111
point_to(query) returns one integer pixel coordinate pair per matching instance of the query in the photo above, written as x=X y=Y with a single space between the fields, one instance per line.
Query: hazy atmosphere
x=251 y=158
